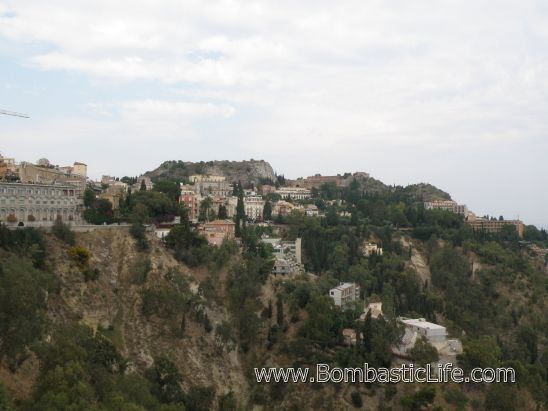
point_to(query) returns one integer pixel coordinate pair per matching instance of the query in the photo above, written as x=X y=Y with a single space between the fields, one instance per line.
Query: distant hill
x=247 y=171
x=426 y=192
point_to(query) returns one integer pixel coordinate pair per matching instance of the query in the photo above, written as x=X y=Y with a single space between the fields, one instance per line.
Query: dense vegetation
x=486 y=288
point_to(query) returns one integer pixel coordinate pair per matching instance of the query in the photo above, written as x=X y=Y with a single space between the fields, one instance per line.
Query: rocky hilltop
x=247 y=171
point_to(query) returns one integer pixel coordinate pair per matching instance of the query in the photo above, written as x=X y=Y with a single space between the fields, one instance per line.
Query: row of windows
x=22 y=201
x=29 y=191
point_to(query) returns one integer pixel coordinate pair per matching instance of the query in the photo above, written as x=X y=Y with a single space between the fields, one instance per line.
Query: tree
x=169 y=188
x=63 y=232
x=482 y=352
x=143 y=185
x=166 y=380
x=22 y=306
x=5 y=403
x=423 y=352
x=420 y=399
x=89 y=197
x=205 y=207
x=222 y=214
x=240 y=212
x=501 y=397
x=356 y=399
x=80 y=255
x=279 y=310
x=267 y=210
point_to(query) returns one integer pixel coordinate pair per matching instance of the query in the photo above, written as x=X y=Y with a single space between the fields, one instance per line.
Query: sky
x=450 y=92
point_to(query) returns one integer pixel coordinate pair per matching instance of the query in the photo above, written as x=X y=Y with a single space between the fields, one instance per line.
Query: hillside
x=118 y=320
x=113 y=306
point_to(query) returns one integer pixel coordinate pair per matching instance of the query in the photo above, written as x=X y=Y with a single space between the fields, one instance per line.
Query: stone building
x=39 y=203
x=46 y=174
x=492 y=225
x=217 y=231
x=215 y=186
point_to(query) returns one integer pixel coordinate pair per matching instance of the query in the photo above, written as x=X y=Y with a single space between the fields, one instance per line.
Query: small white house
x=371 y=248
x=345 y=293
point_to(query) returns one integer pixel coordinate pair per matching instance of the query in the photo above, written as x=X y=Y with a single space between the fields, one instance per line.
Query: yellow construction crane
x=12 y=113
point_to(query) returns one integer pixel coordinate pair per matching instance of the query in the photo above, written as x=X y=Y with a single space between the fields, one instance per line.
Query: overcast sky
x=451 y=92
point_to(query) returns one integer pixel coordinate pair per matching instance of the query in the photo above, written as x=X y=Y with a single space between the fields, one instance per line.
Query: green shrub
x=356 y=399
x=63 y=232
x=80 y=256
x=91 y=274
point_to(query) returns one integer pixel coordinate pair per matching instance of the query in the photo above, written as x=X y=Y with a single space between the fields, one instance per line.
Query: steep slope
x=114 y=304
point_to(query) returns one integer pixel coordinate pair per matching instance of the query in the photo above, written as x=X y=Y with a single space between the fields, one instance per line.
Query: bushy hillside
x=117 y=319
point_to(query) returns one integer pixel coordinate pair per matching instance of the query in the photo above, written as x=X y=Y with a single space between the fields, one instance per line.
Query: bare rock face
x=247 y=171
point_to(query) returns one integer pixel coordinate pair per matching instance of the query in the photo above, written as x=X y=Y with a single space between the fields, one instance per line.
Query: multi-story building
x=254 y=206
x=191 y=200
x=287 y=255
x=218 y=230
x=345 y=294
x=448 y=205
x=47 y=174
x=295 y=193
x=215 y=186
x=35 y=202
x=493 y=225
x=7 y=166
x=318 y=180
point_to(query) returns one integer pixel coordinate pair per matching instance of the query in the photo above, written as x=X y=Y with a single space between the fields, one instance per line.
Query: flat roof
x=422 y=323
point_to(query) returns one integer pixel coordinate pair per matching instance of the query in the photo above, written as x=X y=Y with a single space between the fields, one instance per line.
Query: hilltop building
x=215 y=186
x=137 y=186
x=318 y=180
x=492 y=225
x=47 y=174
x=295 y=193
x=38 y=203
x=448 y=205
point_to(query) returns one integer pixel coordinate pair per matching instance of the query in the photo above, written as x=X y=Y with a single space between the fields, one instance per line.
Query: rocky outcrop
x=247 y=171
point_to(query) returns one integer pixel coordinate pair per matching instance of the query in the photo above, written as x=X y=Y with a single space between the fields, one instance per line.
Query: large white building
x=254 y=206
x=435 y=334
x=448 y=205
x=345 y=293
x=39 y=203
x=295 y=193
x=432 y=332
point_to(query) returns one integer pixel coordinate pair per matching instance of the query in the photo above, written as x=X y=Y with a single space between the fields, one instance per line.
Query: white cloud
x=451 y=77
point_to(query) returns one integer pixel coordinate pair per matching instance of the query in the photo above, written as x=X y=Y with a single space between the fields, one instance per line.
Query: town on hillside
x=41 y=194
x=208 y=211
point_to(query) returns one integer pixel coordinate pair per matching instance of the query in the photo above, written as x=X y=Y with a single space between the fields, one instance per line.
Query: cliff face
x=247 y=171
x=114 y=304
